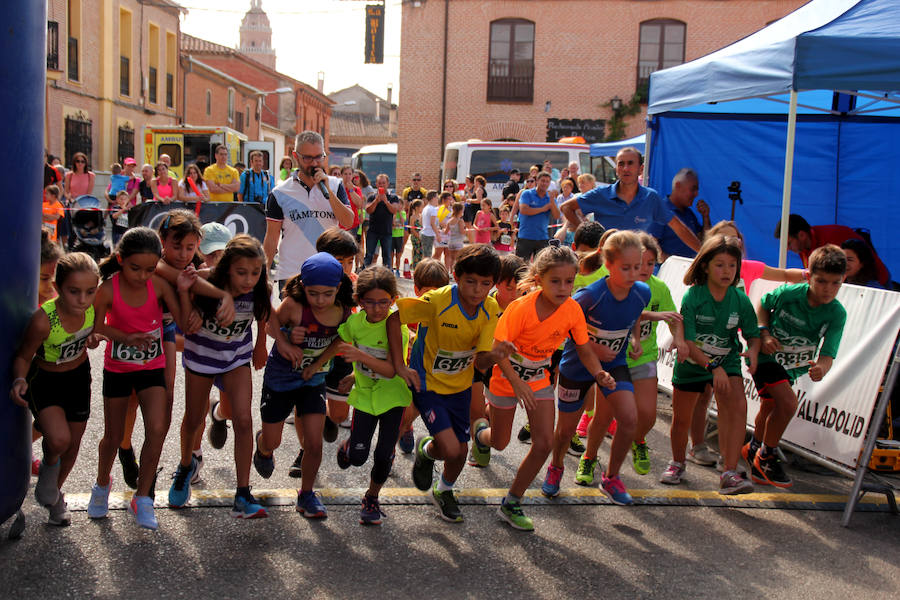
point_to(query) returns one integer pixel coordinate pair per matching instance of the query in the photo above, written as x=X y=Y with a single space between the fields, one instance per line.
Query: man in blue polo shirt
x=627 y=204
x=535 y=210
x=685 y=186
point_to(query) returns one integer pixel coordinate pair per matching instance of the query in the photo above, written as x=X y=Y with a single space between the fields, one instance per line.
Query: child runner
x=398 y=228
x=305 y=329
x=226 y=351
x=120 y=216
x=793 y=320
x=612 y=307
x=52 y=376
x=128 y=312
x=535 y=324
x=52 y=210
x=378 y=396
x=485 y=223
x=713 y=309
x=455 y=230
x=506 y=240
x=429 y=274
x=456 y=331
x=415 y=229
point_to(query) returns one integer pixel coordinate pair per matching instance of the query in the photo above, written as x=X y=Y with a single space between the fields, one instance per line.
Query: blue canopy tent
x=612 y=148
x=826 y=76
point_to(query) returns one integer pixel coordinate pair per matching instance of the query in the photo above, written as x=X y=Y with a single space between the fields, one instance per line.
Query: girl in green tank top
x=51 y=375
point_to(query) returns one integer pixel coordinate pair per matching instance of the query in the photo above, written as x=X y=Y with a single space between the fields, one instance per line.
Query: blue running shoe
x=615 y=489
x=142 y=509
x=98 y=507
x=309 y=505
x=370 y=513
x=247 y=508
x=550 y=487
x=407 y=442
x=180 y=492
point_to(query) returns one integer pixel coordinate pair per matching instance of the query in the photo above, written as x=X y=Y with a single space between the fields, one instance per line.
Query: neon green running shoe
x=511 y=512
x=585 y=473
x=640 y=458
x=480 y=453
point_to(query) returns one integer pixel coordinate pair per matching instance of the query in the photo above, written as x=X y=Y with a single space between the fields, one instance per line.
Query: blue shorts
x=571 y=393
x=445 y=411
x=169 y=332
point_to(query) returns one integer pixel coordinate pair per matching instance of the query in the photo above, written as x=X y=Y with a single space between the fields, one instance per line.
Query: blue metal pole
x=22 y=88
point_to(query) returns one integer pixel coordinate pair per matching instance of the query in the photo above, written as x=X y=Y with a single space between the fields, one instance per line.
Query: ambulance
x=185 y=144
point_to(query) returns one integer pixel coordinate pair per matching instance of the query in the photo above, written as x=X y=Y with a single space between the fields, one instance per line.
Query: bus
x=372 y=160
x=494 y=160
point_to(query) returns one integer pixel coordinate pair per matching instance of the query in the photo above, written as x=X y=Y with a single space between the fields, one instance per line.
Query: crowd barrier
x=239 y=217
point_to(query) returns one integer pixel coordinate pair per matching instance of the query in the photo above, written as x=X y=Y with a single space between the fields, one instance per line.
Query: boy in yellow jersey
x=456 y=333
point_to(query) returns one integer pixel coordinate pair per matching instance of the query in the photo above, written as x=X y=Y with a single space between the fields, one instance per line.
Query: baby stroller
x=88 y=224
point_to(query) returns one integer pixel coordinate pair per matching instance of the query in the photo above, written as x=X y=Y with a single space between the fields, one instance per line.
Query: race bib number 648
x=451 y=363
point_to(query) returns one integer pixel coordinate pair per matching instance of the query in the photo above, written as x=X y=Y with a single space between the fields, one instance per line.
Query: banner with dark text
x=239 y=217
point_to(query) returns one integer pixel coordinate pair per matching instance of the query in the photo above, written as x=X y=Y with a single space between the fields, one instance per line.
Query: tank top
x=165 y=191
x=482 y=219
x=456 y=238
x=147 y=318
x=80 y=184
x=280 y=373
x=61 y=346
x=216 y=349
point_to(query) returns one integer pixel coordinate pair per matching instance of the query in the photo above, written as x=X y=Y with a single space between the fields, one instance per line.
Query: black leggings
x=361 y=432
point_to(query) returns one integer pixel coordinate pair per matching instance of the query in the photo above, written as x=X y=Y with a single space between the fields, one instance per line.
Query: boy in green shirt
x=793 y=319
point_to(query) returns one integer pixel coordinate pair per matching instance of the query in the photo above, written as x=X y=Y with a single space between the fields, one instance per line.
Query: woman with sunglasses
x=78 y=182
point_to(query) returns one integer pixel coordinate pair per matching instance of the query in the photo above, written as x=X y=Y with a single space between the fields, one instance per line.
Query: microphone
x=324 y=189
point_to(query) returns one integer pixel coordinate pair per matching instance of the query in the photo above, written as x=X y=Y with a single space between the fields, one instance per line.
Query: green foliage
x=616 y=123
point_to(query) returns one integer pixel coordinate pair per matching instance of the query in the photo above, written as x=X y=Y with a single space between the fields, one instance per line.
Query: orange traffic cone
x=406 y=272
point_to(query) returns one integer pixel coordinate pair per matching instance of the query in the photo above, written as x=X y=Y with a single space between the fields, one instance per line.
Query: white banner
x=833 y=414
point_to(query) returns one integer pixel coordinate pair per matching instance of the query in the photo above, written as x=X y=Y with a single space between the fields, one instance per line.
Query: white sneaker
x=673 y=473
x=59 y=512
x=702 y=455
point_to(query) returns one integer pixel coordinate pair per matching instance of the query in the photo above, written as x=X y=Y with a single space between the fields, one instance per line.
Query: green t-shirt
x=800 y=327
x=372 y=393
x=660 y=300
x=398 y=223
x=713 y=326
x=586 y=280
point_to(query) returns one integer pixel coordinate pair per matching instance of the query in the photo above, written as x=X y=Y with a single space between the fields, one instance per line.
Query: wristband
x=763 y=328
x=22 y=379
x=712 y=364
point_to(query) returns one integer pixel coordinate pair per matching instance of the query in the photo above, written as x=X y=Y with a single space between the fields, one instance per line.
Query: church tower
x=256 y=35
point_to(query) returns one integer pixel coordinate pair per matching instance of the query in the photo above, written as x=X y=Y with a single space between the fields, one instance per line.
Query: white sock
x=216 y=414
x=443 y=486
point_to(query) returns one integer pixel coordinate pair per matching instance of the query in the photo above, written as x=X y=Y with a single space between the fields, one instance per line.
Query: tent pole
x=788 y=174
x=647 y=153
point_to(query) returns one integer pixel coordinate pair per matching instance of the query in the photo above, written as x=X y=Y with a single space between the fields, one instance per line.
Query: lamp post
x=615 y=104
x=259 y=105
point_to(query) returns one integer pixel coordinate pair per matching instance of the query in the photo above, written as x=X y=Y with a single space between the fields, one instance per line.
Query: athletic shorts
x=572 y=393
x=644 y=371
x=694 y=387
x=340 y=368
x=70 y=390
x=445 y=411
x=510 y=402
x=483 y=377
x=216 y=377
x=120 y=385
x=169 y=332
x=555 y=359
x=470 y=211
x=274 y=407
x=397 y=243
x=769 y=374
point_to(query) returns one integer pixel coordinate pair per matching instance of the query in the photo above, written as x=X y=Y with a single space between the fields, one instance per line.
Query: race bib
x=506 y=239
x=793 y=357
x=235 y=330
x=528 y=370
x=379 y=353
x=711 y=350
x=309 y=357
x=132 y=355
x=74 y=348
x=449 y=362
x=646 y=329
x=614 y=340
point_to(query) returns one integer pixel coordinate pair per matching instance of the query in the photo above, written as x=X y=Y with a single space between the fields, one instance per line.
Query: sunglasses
x=80 y=161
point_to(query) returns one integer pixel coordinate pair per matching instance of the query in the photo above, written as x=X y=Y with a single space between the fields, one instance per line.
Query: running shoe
x=731 y=483
x=46 y=490
x=585 y=473
x=640 y=458
x=447 y=505
x=329 y=430
x=525 y=434
x=218 y=429
x=295 y=470
x=195 y=478
x=583 y=424
x=247 y=508
x=130 y=468
x=702 y=455
x=98 y=507
x=423 y=467
x=343 y=459
x=142 y=509
x=741 y=469
x=673 y=473
x=512 y=513
x=769 y=471
x=576 y=447
x=407 y=441
x=370 y=513
x=35 y=467
x=180 y=492
x=480 y=452
x=309 y=505
x=611 y=431
x=264 y=465
x=748 y=452
x=615 y=489
x=59 y=512
x=550 y=487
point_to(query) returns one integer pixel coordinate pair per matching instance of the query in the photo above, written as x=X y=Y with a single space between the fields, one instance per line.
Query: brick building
x=360 y=118
x=512 y=66
x=112 y=68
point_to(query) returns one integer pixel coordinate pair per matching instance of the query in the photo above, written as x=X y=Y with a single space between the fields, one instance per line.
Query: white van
x=494 y=160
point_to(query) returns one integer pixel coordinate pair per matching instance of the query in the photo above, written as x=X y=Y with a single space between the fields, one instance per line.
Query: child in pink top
x=485 y=223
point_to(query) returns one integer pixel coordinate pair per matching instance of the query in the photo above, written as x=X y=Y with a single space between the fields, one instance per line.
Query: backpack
x=245 y=189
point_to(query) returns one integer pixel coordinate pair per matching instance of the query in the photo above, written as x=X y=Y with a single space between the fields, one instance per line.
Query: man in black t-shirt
x=381 y=207
x=512 y=186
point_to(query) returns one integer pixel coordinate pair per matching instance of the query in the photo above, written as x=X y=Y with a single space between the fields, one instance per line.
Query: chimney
x=320 y=85
x=390 y=91
x=378 y=109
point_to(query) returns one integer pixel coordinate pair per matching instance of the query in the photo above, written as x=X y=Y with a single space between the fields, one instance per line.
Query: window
x=171 y=57
x=74 y=36
x=152 y=85
x=78 y=137
x=126 y=142
x=124 y=53
x=494 y=165
x=661 y=46
x=208 y=103
x=154 y=64
x=170 y=90
x=247 y=116
x=511 y=63
x=52 y=46
x=239 y=121
x=230 y=105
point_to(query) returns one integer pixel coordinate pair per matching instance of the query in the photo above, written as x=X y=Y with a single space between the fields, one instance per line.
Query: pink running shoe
x=582 y=429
